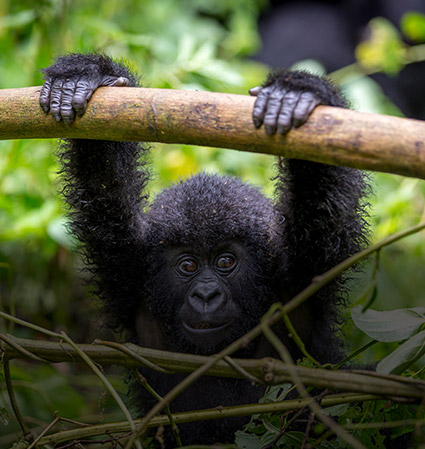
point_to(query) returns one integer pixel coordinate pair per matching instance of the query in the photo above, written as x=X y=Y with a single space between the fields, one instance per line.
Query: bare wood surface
x=332 y=135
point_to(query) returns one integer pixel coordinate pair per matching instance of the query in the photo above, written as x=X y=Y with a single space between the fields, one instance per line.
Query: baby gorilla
x=198 y=267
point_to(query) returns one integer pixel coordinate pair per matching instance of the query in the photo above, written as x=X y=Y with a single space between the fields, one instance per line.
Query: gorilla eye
x=188 y=266
x=226 y=262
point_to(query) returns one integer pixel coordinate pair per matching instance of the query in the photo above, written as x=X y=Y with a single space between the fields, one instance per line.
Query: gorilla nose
x=207 y=297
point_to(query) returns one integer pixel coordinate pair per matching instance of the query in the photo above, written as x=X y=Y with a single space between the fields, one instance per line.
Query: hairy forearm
x=323 y=212
x=103 y=185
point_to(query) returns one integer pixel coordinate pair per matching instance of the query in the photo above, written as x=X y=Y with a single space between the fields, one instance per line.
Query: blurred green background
x=185 y=44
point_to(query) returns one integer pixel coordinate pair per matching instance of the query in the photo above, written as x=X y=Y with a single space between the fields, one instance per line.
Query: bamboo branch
x=332 y=135
x=270 y=371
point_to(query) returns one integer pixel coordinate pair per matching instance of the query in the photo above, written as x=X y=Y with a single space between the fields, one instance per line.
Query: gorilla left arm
x=320 y=204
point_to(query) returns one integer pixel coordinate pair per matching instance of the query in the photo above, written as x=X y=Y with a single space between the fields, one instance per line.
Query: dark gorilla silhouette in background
x=329 y=30
x=199 y=266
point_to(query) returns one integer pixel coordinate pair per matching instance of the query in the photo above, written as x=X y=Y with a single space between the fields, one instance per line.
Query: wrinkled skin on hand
x=280 y=109
x=67 y=97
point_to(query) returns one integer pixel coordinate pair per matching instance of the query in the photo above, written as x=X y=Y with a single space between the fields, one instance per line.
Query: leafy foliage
x=268 y=430
x=394 y=326
x=383 y=51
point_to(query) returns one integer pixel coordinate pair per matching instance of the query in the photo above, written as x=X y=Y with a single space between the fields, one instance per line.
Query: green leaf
x=276 y=393
x=336 y=410
x=250 y=441
x=383 y=51
x=412 y=25
x=291 y=440
x=406 y=354
x=388 y=326
x=270 y=428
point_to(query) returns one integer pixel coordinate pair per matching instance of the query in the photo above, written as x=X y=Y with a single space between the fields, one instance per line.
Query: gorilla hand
x=65 y=96
x=281 y=108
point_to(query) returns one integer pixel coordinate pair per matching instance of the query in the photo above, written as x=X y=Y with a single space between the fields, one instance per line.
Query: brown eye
x=188 y=266
x=225 y=262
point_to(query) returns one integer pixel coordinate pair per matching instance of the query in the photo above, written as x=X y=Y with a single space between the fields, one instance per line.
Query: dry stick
x=331 y=135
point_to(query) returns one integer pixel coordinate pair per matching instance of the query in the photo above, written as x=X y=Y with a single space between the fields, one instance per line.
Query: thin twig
x=22 y=350
x=107 y=384
x=50 y=426
x=8 y=380
x=203 y=415
x=254 y=380
x=298 y=341
x=143 y=361
x=144 y=383
x=314 y=406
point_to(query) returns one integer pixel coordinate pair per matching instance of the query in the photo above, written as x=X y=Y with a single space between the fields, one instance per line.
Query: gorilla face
x=209 y=310
x=204 y=298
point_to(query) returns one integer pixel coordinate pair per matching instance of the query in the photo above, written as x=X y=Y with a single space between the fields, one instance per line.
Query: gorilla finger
x=305 y=106
x=254 y=91
x=260 y=107
x=286 y=113
x=83 y=92
x=56 y=99
x=274 y=105
x=114 y=81
x=66 y=109
x=121 y=82
x=45 y=95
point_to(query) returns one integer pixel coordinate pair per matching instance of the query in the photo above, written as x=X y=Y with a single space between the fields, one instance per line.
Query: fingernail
x=282 y=130
x=270 y=129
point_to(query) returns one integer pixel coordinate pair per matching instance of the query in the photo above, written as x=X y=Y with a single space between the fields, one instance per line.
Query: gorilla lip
x=204 y=326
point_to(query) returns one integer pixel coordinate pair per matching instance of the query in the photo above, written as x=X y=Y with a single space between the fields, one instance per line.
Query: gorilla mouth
x=204 y=326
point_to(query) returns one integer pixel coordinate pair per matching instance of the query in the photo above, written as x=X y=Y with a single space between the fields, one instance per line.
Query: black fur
x=314 y=223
